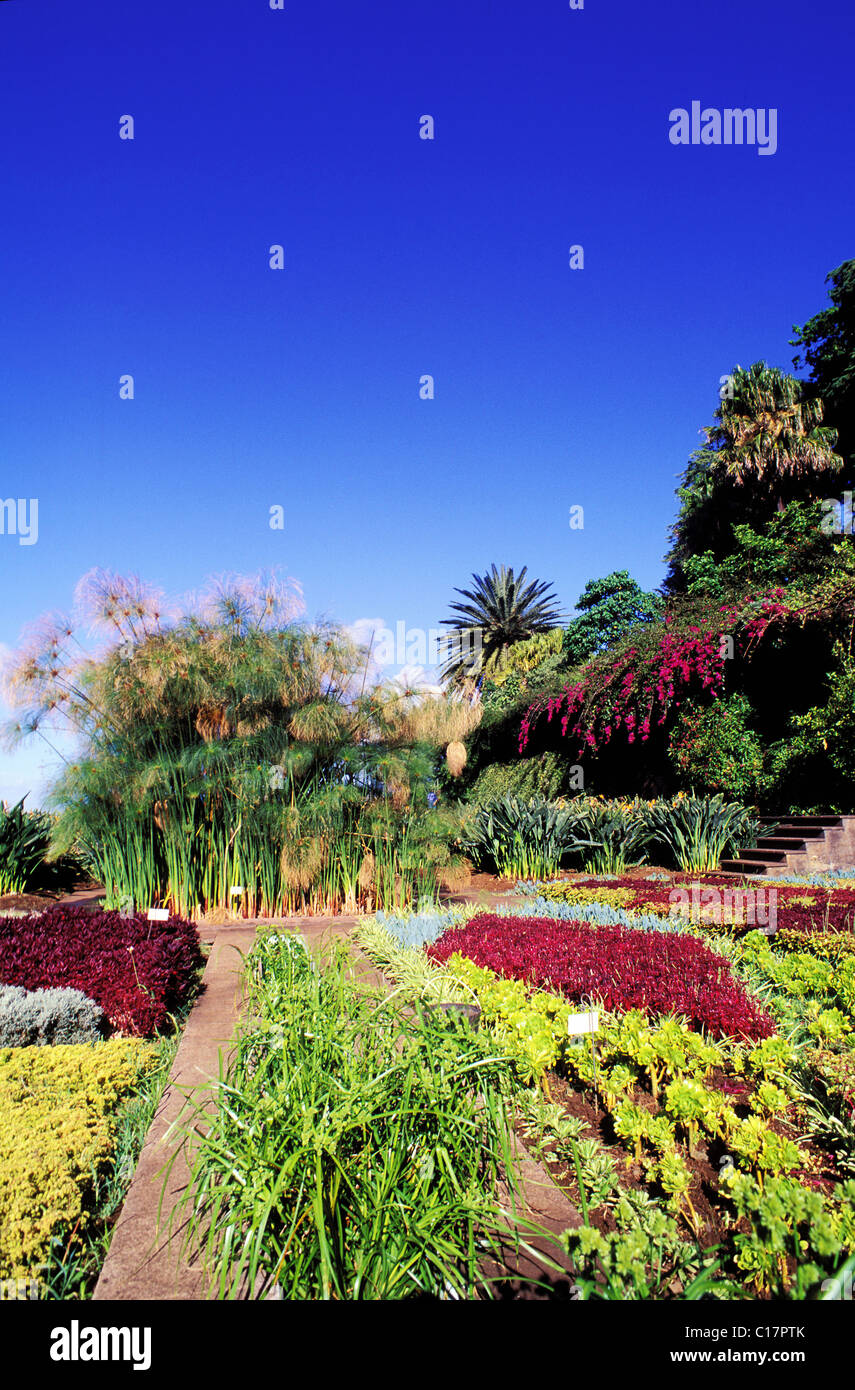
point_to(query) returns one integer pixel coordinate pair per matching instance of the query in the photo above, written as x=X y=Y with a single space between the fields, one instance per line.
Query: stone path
x=142 y=1263
x=145 y=1263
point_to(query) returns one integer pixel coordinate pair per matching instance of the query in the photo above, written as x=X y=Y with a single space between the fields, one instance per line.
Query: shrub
x=522 y=839
x=623 y=968
x=137 y=971
x=544 y=777
x=629 y=691
x=700 y=831
x=47 y=1016
x=55 y=1137
x=713 y=748
x=25 y=838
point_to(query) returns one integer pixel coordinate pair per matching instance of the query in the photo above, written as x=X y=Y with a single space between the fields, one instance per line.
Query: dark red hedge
x=138 y=971
x=660 y=972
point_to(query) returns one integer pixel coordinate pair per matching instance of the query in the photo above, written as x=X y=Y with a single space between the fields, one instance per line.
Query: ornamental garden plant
x=235 y=747
x=619 y=966
x=354 y=1150
x=58 y=1108
x=137 y=972
x=710 y=1150
x=91 y=1005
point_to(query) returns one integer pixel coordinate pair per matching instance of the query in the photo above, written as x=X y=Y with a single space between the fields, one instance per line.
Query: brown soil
x=489 y=883
x=26 y=902
x=713 y=1213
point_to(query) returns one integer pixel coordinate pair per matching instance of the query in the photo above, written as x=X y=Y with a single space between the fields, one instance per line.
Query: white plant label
x=583 y=1023
x=236 y=892
x=158 y=914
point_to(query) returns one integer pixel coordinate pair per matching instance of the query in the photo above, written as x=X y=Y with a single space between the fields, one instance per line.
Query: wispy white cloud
x=365 y=630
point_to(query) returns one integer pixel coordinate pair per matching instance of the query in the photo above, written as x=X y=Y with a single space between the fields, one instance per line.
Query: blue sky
x=403 y=257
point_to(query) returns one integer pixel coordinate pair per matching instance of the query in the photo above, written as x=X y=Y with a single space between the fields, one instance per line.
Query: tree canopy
x=608 y=608
x=827 y=343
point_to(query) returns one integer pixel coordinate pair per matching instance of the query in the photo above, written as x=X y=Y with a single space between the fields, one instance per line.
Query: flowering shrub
x=714 y=749
x=635 y=689
x=623 y=968
x=55 y=1135
x=137 y=971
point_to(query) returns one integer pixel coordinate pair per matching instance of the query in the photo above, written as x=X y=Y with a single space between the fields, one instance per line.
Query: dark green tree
x=827 y=343
x=607 y=609
x=768 y=435
x=768 y=446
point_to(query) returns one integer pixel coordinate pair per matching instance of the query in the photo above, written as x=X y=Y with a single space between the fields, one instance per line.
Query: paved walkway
x=142 y=1263
x=147 y=1263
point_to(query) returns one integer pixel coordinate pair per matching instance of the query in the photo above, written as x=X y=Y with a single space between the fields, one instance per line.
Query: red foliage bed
x=624 y=968
x=138 y=971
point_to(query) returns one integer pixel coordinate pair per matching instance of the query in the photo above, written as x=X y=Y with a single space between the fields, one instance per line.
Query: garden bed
x=91 y=1006
x=706 y=1160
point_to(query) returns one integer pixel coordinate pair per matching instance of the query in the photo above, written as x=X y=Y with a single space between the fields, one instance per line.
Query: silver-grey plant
x=37 y=1018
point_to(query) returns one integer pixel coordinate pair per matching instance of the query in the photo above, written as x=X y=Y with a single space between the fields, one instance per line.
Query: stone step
x=803 y=832
x=823 y=821
x=756 y=867
x=782 y=843
x=796 y=844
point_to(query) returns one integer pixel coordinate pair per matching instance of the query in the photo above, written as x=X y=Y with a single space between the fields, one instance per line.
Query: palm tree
x=500 y=610
x=770 y=432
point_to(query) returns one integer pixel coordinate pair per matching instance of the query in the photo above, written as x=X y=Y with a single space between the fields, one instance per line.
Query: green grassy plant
x=26 y=864
x=354 y=1149
x=699 y=831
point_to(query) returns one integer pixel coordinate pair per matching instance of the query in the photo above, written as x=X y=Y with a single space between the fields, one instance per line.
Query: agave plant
x=617 y=834
x=699 y=831
x=523 y=839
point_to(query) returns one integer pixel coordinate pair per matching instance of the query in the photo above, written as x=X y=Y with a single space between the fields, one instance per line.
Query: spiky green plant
x=523 y=839
x=700 y=830
x=500 y=610
x=25 y=850
x=616 y=833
